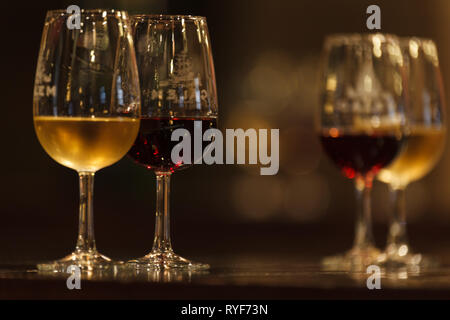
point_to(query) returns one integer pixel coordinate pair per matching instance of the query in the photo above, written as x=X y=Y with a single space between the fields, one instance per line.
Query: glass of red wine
x=178 y=90
x=361 y=121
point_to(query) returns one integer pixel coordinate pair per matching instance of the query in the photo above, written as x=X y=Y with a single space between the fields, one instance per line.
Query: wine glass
x=425 y=140
x=86 y=108
x=178 y=91
x=361 y=121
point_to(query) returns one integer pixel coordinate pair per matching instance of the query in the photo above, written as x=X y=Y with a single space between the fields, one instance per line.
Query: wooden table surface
x=275 y=263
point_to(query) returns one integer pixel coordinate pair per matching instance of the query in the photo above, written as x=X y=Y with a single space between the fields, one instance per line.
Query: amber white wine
x=86 y=144
x=422 y=149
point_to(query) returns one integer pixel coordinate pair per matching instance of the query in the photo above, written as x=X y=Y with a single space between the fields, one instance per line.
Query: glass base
x=356 y=259
x=87 y=261
x=166 y=260
x=165 y=275
x=400 y=256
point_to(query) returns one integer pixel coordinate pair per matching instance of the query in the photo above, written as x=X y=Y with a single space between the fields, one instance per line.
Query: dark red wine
x=153 y=146
x=361 y=154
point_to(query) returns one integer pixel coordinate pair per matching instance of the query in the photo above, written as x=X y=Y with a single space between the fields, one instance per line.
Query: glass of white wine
x=86 y=108
x=424 y=143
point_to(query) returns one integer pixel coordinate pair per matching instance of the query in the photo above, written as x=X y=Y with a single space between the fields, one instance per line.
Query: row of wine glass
x=381 y=116
x=118 y=85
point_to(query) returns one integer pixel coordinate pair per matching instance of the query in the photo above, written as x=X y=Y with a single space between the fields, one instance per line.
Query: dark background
x=266 y=57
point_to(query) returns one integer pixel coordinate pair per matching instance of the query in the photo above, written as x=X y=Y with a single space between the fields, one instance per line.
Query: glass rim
x=87 y=11
x=420 y=40
x=355 y=38
x=167 y=17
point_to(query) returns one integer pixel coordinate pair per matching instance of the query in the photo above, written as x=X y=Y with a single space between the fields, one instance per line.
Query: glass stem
x=86 y=239
x=363 y=232
x=397 y=236
x=162 y=242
